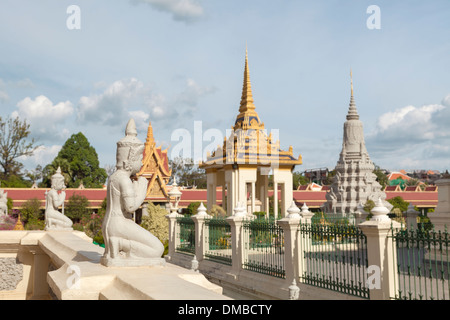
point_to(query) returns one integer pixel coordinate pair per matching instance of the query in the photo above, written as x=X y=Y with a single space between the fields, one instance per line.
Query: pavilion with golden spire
x=242 y=164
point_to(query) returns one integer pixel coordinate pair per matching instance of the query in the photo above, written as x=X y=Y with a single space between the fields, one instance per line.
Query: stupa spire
x=352 y=111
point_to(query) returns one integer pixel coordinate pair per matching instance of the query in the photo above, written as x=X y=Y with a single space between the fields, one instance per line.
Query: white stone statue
x=55 y=220
x=126 y=243
x=3 y=203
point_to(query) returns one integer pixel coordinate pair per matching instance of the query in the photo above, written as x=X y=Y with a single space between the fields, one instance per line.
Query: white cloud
x=193 y=92
x=110 y=107
x=141 y=119
x=131 y=96
x=181 y=10
x=25 y=83
x=413 y=137
x=43 y=155
x=3 y=95
x=45 y=118
x=446 y=101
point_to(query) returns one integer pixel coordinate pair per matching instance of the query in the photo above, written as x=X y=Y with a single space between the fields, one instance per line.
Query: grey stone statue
x=54 y=219
x=3 y=203
x=127 y=243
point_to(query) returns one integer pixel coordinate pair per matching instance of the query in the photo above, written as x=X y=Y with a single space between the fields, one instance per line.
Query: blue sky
x=178 y=62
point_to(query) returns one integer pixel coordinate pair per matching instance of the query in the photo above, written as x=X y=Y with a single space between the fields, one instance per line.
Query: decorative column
x=41 y=262
x=361 y=214
x=253 y=194
x=411 y=217
x=382 y=257
x=289 y=224
x=236 y=222
x=275 y=198
x=306 y=214
x=304 y=241
x=200 y=234
x=174 y=240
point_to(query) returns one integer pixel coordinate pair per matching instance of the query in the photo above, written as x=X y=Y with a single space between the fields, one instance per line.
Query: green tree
x=370 y=204
x=299 y=180
x=192 y=208
x=77 y=207
x=51 y=169
x=15 y=181
x=187 y=172
x=381 y=177
x=14 y=143
x=79 y=160
x=92 y=224
x=399 y=203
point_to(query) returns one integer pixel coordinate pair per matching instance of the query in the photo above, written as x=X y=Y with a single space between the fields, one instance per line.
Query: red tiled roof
x=392 y=188
x=396 y=175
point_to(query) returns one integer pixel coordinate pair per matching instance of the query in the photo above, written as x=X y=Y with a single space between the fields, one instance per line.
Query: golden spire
x=247 y=96
x=150 y=139
x=19 y=225
x=351 y=80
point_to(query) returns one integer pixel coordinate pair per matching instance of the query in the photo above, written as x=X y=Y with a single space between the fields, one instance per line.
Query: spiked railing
x=218 y=241
x=422 y=264
x=264 y=247
x=186 y=235
x=335 y=258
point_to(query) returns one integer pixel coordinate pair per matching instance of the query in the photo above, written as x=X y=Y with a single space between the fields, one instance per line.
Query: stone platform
x=68 y=263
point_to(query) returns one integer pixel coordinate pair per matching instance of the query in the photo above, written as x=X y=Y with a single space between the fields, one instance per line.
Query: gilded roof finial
x=247 y=96
x=150 y=139
x=351 y=80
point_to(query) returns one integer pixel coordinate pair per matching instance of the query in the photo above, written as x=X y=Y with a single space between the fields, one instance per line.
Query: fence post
x=174 y=240
x=382 y=257
x=289 y=225
x=411 y=217
x=200 y=241
x=236 y=222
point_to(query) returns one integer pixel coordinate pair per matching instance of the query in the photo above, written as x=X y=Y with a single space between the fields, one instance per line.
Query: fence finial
x=294 y=211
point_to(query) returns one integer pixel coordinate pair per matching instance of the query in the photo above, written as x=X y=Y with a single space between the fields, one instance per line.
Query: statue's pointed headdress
x=129 y=147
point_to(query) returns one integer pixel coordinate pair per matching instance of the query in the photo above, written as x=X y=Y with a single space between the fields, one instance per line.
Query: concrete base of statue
x=130 y=262
x=53 y=228
x=65 y=265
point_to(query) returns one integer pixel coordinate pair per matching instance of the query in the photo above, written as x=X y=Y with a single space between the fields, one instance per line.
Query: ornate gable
x=155 y=168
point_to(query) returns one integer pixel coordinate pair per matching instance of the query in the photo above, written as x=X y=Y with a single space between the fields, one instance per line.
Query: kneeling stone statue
x=126 y=243
x=55 y=220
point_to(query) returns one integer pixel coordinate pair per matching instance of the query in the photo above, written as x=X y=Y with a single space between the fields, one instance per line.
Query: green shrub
x=192 y=208
x=34 y=224
x=156 y=222
x=31 y=210
x=77 y=207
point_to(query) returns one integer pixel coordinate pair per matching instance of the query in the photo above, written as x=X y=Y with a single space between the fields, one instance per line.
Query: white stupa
x=355 y=182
